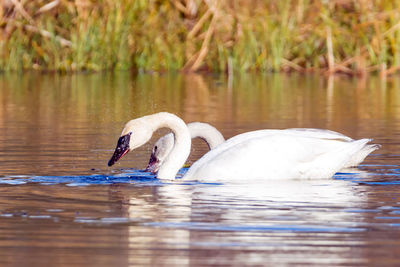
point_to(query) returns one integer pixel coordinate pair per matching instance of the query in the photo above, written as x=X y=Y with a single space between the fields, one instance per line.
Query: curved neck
x=182 y=143
x=206 y=132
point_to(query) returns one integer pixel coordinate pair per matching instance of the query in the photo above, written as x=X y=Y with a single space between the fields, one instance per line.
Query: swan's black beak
x=121 y=149
x=152 y=166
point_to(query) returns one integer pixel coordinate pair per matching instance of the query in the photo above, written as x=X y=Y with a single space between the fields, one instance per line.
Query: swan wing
x=319 y=133
x=299 y=132
x=303 y=132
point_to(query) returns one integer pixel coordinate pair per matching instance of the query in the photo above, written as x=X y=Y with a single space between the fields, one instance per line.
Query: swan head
x=159 y=153
x=135 y=134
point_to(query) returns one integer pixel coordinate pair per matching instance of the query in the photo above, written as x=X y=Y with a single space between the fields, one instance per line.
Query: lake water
x=60 y=205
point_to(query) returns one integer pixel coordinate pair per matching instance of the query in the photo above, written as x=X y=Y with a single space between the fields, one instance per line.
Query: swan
x=262 y=154
x=163 y=146
x=213 y=137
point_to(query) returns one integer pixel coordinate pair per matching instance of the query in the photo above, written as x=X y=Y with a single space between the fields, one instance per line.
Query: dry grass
x=347 y=36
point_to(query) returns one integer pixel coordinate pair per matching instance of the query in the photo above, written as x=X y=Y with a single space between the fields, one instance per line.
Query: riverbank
x=351 y=37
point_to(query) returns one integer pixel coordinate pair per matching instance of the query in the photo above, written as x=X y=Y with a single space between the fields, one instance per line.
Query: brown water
x=60 y=205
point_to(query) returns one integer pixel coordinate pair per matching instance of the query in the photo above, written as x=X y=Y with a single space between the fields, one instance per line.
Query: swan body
x=335 y=137
x=262 y=154
x=164 y=145
x=280 y=155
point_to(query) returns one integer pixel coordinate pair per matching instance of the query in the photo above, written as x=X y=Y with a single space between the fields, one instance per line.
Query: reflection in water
x=61 y=205
x=59 y=123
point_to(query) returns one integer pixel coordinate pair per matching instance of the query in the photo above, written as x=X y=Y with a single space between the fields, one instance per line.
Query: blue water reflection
x=363 y=175
x=133 y=176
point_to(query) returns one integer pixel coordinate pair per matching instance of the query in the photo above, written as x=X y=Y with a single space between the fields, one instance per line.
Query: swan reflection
x=185 y=216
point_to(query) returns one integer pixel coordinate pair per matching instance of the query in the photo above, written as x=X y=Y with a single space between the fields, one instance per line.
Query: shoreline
x=353 y=38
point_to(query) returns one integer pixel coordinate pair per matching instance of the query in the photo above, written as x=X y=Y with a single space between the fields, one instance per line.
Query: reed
x=338 y=36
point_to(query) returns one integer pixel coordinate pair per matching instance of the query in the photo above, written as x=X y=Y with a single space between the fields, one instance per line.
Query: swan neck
x=182 y=143
x=206 y=132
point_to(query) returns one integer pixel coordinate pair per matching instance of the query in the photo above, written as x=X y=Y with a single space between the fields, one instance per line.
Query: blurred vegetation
x=346 y=36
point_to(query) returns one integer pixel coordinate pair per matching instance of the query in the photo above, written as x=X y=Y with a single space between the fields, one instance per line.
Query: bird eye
x=155 y=148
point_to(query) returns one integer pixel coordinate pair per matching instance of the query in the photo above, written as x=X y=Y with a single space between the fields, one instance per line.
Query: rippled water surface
x=61 y=205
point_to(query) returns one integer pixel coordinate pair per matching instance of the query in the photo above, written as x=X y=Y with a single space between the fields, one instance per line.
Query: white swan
x=213 y=137
x=163 y=146
x=263 y=154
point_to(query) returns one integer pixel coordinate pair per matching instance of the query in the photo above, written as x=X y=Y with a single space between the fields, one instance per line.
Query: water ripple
x=361 y=175
x=255 y=228
x=136 y=176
